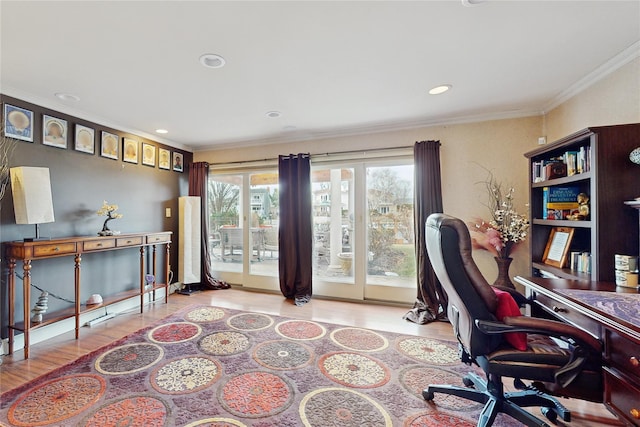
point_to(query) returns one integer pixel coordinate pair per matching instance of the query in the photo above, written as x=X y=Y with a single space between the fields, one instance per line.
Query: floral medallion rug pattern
x=210 y=366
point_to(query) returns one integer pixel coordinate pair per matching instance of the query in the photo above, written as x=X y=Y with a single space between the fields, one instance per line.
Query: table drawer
x=569 y=314
x=129 y=241
x=158 y=238
x=622 y=396
x=96 y=245
x=54 y=249
x=623 y=354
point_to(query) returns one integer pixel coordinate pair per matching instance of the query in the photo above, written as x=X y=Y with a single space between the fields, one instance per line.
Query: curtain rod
x=318 y=155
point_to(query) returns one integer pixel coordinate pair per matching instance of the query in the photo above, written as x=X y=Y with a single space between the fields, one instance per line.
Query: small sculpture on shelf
x=41 y=307
x=110 y=212
x=582 y=213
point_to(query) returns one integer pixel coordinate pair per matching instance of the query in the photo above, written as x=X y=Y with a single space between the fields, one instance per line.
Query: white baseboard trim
x=67 y=325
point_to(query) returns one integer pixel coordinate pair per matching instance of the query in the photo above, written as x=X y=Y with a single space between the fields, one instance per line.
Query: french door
x=362 y=228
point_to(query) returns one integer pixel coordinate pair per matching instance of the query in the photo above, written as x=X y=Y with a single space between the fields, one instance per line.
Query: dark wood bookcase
x=612 y=179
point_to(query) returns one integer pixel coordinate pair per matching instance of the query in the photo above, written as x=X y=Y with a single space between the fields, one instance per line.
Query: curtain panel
x=431 y=300
x=295 y=233
x=198 y=186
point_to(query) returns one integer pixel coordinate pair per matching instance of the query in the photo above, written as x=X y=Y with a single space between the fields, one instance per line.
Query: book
x=559 y=201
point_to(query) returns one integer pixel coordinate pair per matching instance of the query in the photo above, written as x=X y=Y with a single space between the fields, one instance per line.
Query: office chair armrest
x=533 y=325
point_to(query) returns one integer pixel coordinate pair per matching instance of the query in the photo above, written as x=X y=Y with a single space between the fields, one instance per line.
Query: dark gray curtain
x=431 y=302
x=295 y=233
x=198 y=186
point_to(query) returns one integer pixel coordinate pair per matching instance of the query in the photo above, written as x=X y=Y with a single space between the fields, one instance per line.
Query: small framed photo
x=557 y=247
x=164 y=159
x=178 y=165
x=109 y=145
x=148 y=154
x=85 y=140
x=54 y=131
x=18 y=123
x=130 y=150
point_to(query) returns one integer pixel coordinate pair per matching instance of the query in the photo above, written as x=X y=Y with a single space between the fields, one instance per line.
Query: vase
x=503 y=279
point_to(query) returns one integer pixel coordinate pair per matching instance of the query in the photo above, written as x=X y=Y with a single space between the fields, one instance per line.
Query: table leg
x=142 y=279
x=155 y=278
x=26 y=292
x=78 y=260
x=166 y=272
x=11 y=283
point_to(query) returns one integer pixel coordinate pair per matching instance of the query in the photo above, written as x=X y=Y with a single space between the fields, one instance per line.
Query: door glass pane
x=263 y=201
x=225 y=211
x=333 y=221
x=390 y=234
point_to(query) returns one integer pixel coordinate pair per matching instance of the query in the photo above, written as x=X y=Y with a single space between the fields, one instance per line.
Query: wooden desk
x=599 y=308
x=76 y=246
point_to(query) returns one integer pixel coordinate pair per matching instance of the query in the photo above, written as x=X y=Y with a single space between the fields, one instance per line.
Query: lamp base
x=36 y=239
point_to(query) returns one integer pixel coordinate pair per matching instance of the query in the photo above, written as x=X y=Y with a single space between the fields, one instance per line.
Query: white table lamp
x=32 y=201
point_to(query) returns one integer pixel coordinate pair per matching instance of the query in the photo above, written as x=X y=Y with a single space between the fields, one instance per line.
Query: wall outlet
x=542 y=140
x=167 y=212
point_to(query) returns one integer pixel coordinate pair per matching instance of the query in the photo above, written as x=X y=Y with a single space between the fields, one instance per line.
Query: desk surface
x=605 y=302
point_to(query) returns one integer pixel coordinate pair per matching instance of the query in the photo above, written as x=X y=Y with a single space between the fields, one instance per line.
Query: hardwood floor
x=60 y=350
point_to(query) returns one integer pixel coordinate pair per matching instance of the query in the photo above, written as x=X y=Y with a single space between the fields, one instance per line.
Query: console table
x=76 y=246
x=611 y=315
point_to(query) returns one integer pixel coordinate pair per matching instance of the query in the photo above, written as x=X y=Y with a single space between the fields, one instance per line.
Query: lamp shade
x=32 y=201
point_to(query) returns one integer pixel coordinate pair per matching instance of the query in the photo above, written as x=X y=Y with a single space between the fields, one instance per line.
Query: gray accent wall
x=79 y=184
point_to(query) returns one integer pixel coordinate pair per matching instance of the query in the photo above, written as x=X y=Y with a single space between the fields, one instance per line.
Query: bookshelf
x=603 y=171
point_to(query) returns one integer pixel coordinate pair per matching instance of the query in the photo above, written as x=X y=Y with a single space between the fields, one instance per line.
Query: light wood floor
x=60 y=350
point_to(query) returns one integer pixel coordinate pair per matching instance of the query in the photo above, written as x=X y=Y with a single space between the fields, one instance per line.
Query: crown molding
x=81 y=114
x=612 y=65
x=366 y=129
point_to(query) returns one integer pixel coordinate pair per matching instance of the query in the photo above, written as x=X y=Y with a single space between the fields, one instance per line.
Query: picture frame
x=130 y=150
x=85 y=139
x=18 y=123
x=54 y=132
x=164 y=159
x=558 y=244
x=109 y=145
x=178 y=162
x=148 y=154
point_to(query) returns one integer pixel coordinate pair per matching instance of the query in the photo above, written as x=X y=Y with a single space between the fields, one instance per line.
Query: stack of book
x=580 y=261
x=569 y=163
x=558 y=202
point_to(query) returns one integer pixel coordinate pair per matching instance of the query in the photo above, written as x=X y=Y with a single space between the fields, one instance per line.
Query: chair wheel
x=427 y=395
x=550 y=413
x=467 y=382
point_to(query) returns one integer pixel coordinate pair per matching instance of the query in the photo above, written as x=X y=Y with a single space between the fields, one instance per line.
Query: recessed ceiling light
x=67 y=97
x=472 y=3
x=439 y=89
x=211 y=60
x=289 y=128
x=162 y=131
x=273 y=114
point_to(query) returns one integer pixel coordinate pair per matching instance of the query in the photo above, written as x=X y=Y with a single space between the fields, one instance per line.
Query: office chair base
x=490 y=394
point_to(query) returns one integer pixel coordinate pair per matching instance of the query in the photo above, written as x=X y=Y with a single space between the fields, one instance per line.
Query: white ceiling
x=329 y=67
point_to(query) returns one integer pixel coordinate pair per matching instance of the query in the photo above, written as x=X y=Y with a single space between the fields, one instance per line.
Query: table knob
x=634 y=361
x=557 y=309
x=635 y=413
x=56 y=249
x=99 y=244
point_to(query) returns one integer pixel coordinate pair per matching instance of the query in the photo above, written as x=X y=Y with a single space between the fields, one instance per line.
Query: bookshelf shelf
x=609 y=180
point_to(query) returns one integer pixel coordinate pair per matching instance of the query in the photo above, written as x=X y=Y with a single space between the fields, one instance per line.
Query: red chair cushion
x=507 y=307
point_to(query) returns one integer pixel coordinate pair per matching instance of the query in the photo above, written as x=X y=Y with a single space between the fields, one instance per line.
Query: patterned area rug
x=209 y=366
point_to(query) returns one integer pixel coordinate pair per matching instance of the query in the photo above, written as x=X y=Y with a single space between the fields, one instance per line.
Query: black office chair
x=568 y=365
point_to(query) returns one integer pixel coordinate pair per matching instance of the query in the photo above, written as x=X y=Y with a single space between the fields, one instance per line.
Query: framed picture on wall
x=178 y=165
x=164 y=159
x=18 y=123
x=148 y=154
x=130 y=150
x=109 y=145
x=54 y=131
x=85 y=139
